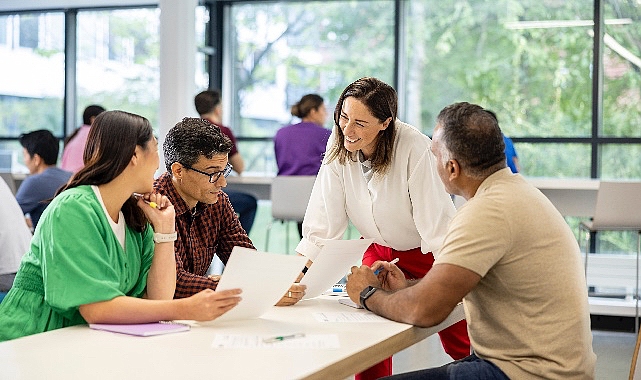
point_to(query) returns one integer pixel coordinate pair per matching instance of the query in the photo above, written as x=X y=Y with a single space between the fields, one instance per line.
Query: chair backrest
x=618 y=206
x=8 y=178
x=290 y=195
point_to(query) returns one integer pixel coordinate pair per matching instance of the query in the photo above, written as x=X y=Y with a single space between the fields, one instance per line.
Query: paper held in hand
x=332 y=263
x=263 y=277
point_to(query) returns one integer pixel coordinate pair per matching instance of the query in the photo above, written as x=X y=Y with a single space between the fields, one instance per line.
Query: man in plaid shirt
x=197 y=165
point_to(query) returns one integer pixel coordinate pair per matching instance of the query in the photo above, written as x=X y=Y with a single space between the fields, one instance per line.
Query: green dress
x=74 y=259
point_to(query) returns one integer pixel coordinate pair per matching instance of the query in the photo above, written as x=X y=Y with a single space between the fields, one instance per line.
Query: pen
x=376 y=272
x=151 y=204
x=283 y=337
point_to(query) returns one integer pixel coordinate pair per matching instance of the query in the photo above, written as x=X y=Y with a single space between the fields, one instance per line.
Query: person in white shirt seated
x=14 y=237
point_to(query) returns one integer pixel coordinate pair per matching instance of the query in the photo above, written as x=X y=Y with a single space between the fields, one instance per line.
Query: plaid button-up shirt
x=204 y=231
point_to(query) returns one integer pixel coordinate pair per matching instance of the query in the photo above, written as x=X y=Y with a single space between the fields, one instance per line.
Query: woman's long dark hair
x=110 y=146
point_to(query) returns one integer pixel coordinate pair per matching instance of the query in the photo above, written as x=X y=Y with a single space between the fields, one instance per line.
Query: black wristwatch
x=365 y=294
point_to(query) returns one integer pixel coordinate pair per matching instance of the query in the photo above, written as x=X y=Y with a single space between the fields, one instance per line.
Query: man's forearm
x=404 y=306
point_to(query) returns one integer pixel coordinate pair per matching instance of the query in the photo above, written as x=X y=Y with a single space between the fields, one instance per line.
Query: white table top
x=79 y=352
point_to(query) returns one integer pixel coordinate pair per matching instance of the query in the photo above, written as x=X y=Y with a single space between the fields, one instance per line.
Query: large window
x=528 y=61
x=117 y=61
x=282 y=51
x=32 y=70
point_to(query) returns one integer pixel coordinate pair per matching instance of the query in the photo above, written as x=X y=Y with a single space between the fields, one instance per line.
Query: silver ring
x=289 y=294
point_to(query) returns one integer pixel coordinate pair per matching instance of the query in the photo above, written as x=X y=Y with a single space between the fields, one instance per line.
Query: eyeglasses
x=213 y=177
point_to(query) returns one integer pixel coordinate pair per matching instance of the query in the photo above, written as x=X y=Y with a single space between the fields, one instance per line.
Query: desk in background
x=258 y=186
x=571 y=196
x=79 y=352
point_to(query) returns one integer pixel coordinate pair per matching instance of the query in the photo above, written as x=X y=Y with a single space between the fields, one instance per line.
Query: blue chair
x=2 y=294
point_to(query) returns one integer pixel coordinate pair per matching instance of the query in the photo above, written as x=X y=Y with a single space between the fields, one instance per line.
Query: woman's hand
x=295 y=293
x=159 y=211
x=207 y=304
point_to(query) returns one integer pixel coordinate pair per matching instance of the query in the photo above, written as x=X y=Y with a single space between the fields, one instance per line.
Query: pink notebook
x=142 y=329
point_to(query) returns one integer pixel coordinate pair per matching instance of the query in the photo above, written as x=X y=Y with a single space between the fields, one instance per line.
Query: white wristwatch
x=163 y=238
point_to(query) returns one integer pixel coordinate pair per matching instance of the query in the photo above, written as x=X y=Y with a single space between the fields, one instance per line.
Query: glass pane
x=620 y=161
x=202 y=56
x=529 y=61
x=554 y=160
x=11 y=159
x=31 y=73
x=258 y=156
x=118 y=61
x=622 y=69
x=281 y=51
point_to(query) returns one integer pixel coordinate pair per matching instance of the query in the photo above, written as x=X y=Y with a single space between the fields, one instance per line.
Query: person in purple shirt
x=299 y=148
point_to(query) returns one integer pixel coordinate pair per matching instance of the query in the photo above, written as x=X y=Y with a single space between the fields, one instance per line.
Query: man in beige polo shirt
x=508 y=255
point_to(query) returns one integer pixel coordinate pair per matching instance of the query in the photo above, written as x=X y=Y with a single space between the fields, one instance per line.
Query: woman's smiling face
x=360 y=128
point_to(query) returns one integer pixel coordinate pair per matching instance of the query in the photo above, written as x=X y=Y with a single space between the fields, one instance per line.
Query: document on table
x=349 y=317
x=263 y=277
x=257 y=341
x=332 y=263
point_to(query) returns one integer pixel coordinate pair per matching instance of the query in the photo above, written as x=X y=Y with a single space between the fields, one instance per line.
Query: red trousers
x=414 y=264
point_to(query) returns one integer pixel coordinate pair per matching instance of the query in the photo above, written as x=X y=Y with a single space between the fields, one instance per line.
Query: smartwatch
x=365 y=294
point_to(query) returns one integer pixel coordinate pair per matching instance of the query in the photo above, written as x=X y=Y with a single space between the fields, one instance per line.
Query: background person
x=14 y=237
x=299 y=148
x=206 y=224
x=40 y=150
x=379 y=174
x=511 y=157
x=508 y=254
x=95 y=257
x=75 y=143
x=209 y=107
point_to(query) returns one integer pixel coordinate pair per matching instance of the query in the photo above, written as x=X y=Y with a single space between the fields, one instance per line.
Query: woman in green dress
x=103 y=251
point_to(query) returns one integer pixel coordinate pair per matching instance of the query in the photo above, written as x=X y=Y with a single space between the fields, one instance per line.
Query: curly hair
x=191 y=138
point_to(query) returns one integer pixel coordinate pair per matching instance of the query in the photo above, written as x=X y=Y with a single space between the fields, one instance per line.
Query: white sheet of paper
x=319 y=341
x=263 y=277
x=353 y=317
x=332 y=263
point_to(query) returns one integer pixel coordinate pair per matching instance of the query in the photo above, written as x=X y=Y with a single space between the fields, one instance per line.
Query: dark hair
x=206 y=101
x=306 y=104
x=91 y=111
x=382 y=101
x=192 y=138
x=472 y=136
x=110 y=146
x=43 y=143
